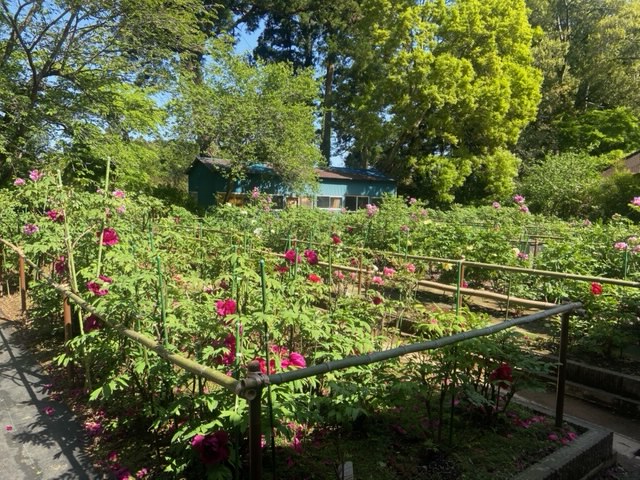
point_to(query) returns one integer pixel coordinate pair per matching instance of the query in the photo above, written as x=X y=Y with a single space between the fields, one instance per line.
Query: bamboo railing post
x=23 y=284
x=562 y=368
x=66 y=309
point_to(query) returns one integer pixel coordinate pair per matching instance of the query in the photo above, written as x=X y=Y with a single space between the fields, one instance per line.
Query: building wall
x=208 y=183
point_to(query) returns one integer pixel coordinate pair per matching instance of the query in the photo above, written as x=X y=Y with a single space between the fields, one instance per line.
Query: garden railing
x=250 y=388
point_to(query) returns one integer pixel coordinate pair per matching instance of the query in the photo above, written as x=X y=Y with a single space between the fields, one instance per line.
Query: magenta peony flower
x=335 y=239
x=105 y=279
x=94 y=288
x=55 y=216
x=91 y=323
x=226 y=307
x=311 y=256
x=596 y=288
x=60 y=265
x=291 y=257
x=297 y=360
x=519 y=199
x=109 y=236
x=30 y=229
x=501 y=375
x=212 y=448
x=282 y=268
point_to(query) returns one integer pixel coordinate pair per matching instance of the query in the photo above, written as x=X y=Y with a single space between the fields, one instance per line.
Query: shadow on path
x=40 y=438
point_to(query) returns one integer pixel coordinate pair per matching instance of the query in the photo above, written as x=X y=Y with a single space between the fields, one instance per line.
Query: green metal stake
x=460 y=278
x=626 y=263
x=163 y=310
x=263 y=278
x=330 y=264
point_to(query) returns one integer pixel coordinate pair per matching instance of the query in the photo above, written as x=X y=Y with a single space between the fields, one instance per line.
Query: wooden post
x=562 y=368
x=360 y=274
x=1 y=269
x=23 y=284
x=66 y=308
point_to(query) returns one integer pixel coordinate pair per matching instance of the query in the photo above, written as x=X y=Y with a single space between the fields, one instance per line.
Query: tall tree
x=589 y=53
x=71 y=71
x=308 y=33
x=435 y=93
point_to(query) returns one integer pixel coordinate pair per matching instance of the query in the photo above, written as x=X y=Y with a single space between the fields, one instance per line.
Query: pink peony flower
x=524 y=209
x=118 y=193
x=35 y=175
x=255 y=193
x=620 y=246
x=404 y=228
x=412 y=201
x=377 y=280
x=371 y=209
x=121 y=209
x=8 y=428
x=519 y=199
x=143 y=472
x=339 y=275
x=18 y=182
x=411 y=268
x=496 y=205
x=388 y=272
x=109 y=236
x=636 y=201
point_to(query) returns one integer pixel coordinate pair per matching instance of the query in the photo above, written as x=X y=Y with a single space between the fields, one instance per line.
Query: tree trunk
x=325 y=146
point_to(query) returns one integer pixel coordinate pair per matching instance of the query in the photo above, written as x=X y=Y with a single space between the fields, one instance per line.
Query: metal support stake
x=23 y=284
x=562 y=372
x=255 y=431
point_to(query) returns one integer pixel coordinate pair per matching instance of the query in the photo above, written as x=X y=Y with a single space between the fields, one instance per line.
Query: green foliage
x=436 y=91
x=565 y=185
x=251 y=113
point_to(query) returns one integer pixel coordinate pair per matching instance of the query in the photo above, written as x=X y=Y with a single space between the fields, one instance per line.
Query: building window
x=305 y=202
x=194 y=195
x=292 y=202
x=277 y=201
x=237 y=199
x=355 y=202
x=329 y=202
